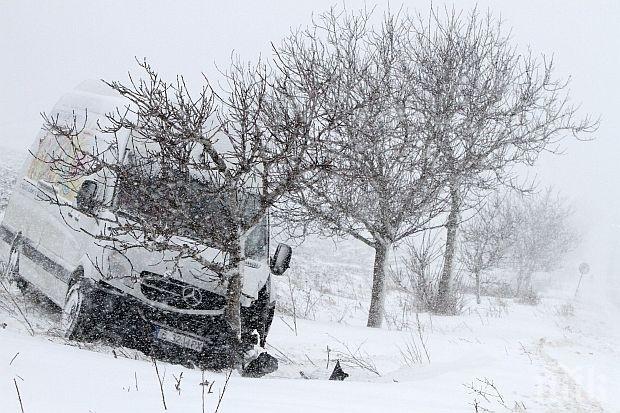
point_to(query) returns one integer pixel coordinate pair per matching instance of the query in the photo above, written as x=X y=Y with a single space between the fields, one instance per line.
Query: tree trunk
x=524 y=280
x=377 y=299
x=232 y=312
x=519 y=282
x=442 y=303
x=478 y=287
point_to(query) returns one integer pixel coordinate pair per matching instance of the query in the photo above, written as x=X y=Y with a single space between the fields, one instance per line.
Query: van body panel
x=56 y=241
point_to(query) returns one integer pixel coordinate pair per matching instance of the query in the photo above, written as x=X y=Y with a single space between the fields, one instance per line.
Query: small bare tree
x=542 y=235
x=196 y=174
x=485 y=239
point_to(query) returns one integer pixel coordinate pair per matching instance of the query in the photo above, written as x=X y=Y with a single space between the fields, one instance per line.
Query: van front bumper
x=137 y=323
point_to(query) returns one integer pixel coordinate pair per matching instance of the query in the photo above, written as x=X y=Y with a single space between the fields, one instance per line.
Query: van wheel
x=78 y=315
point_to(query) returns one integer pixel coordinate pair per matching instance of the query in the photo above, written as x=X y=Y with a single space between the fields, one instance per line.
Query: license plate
x=179 y=339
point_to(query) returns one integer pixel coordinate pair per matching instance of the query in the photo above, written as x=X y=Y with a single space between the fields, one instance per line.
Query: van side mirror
x=281 y=259
x=86 y=198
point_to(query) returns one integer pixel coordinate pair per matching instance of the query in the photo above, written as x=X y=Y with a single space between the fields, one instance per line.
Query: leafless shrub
x=528 y=297
x=410 y=352
x=302 y=298
x=498 y=288
x=420 y=273
x=487 y=397
x=415 y=349
x=401 y=318
x=497 y=308
x=565 y=310
x=354 y=357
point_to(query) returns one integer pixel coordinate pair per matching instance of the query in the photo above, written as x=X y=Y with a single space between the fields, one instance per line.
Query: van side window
x=52 y=148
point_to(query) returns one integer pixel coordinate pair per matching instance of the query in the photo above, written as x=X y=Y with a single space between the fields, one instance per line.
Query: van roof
x=96 y=87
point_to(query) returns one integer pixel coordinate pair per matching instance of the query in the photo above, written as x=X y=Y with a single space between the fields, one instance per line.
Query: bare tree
x=197 y=174
x=382 y=184
x=485 y=239
x=487 y=105
x=543 y=234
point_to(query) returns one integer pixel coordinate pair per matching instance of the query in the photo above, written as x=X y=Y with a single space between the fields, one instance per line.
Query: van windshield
x=190 y=208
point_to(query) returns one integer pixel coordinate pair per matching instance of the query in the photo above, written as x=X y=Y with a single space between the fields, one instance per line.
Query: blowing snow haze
x=48 y=48
x=51 y=47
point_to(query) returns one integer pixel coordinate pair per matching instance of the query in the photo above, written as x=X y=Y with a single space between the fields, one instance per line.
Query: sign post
x=584 y=269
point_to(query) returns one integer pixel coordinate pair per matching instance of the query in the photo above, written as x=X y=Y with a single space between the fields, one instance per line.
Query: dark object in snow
x=338 y=373
x=261 y=365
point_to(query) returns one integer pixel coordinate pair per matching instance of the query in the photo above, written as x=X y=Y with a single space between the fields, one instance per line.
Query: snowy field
x=559 y=356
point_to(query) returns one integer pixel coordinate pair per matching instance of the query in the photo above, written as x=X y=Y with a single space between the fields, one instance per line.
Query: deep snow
x=538 y=357
x=559 y=356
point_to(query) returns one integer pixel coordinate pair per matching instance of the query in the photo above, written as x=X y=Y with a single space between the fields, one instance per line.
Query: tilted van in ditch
x=150 y=302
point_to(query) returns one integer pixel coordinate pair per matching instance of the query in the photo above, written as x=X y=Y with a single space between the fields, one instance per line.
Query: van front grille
x=179 y=294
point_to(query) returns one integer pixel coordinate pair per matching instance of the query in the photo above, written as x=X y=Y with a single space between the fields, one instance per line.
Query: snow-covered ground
x=559 y=356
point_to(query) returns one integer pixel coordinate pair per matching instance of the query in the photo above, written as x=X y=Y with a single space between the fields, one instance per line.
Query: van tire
x=10 y=269
x=79 y=318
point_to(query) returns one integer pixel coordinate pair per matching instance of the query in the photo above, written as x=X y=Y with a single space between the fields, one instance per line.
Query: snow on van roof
x=96 y=87
x=93 y=96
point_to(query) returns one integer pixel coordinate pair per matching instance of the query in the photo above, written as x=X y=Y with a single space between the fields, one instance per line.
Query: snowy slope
x=547 y=358
x=538 y=357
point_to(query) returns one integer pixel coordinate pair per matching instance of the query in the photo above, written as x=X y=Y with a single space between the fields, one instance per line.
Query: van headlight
x=119 y=267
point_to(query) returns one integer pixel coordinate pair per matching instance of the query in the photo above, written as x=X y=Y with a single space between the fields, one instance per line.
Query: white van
x=150 y=302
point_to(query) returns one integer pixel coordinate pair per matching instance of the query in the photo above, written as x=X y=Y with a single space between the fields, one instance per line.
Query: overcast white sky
x=48 y=47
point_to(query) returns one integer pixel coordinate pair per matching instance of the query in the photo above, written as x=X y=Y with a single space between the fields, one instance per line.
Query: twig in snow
x=19 y=396
x=288 y=325
x=290 y=288
x=527 y=353
x=205 y=385
x=312 y=362
x=202 y=383
x=14 y=357
x=281 y=353
x=486 y=389
x=177 y=385
x=161 y=385
x=355 y=357
x=328 y=351
x=219 y=401
x=421 y=337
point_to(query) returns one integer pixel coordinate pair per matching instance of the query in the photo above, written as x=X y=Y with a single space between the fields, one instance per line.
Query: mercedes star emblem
x=192 y=296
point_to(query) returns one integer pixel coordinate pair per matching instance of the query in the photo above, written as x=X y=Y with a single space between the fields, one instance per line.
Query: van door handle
x=46 y=186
